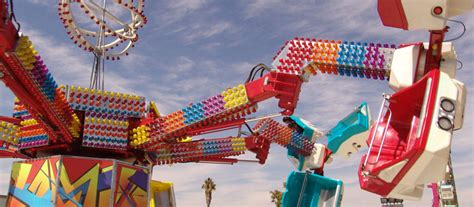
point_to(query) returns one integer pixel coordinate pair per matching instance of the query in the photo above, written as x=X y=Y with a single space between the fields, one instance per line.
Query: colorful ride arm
x=266 y=131
x=402 y=65
x=223 y=111
x=305 y=57
x=299 y=137
x=289 y=137
x=295 y=63
x=23 y=71
x=210 y=150
x=230 y=108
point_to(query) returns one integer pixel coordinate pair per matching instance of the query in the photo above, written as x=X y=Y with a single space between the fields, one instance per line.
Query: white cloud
x=205 y=30
x=39 y=2
x=192 y=20
x=174 y=11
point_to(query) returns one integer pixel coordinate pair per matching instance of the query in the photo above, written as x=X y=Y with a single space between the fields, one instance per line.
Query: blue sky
x=192 y=49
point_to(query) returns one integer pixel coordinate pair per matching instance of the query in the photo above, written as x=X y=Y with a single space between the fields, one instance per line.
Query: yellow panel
x=234 y=97
x=41 y=184
x=154 y=108
x=185 y=139
x=104 y=197
x=20 y=174
x=157 y=186
x=90 y=176
x=106 y=169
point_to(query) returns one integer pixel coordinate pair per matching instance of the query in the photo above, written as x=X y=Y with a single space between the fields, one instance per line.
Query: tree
x=276 y=197
x=208 y=187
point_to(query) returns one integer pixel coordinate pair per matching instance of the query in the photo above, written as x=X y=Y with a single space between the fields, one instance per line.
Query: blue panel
x=30 y=198
x=193 y=113
x=105 y=181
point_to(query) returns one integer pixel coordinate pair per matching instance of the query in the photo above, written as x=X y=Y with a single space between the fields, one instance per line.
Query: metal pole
x=263 y=117
x=375 y=131
x=303 y=187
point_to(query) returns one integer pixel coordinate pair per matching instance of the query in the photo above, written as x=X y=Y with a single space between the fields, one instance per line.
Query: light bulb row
x=9 y=132
x=166 y=160
x=285 y=137
x=201 y=149
x=231 y=103
x=105 y=131
x=354 y=59
x=32 y=135
x=47 y=86
x=106 y=102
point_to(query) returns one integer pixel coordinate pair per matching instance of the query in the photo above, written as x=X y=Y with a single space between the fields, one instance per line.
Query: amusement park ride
x=91 y=147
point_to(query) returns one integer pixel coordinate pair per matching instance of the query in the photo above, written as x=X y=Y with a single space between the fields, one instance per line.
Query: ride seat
x=392 y=148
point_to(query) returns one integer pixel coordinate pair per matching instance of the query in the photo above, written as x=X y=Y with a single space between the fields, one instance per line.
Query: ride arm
x=266 y=131
x=220 y=112
x=23 y=71
x=210 y=150
x=306 y=57
x=298 y=60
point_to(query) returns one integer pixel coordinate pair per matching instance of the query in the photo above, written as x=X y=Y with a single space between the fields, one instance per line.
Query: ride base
x=78 y=181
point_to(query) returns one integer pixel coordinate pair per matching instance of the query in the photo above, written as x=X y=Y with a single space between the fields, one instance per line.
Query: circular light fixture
x=445 y=123
x=113 y=35
x=1 y=75
x=438 y=10
x=447 y=105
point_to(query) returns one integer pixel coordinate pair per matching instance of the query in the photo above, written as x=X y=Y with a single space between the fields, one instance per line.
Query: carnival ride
x=408 y=145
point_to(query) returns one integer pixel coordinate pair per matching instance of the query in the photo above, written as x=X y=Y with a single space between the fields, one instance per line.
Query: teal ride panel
x=305 y=189
x=308 y=132
x=355 y=123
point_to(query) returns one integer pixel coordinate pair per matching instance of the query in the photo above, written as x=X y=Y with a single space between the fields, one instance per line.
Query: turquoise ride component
x=306 y=131
x=351 y=132
x=305 y=189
